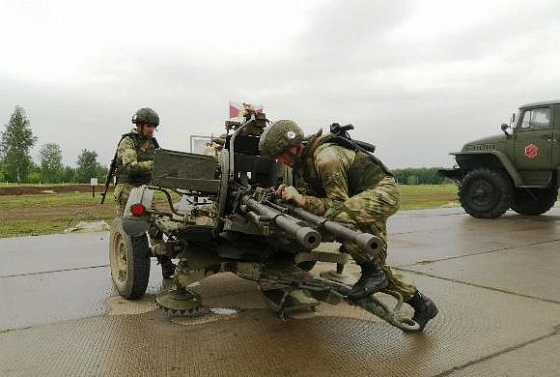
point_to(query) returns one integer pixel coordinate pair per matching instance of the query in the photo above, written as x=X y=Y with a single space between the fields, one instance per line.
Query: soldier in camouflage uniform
x=135 y=162
x=349 y=185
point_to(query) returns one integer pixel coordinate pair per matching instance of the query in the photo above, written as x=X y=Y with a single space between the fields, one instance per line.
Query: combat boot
x=373 y=280
x=424 y=309
x=167 y=266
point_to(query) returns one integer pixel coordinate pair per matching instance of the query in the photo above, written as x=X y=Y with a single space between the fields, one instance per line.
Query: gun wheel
x=129 y=258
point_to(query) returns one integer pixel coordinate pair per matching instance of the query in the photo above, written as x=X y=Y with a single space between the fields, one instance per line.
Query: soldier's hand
x=279 y=191
x=290 y=194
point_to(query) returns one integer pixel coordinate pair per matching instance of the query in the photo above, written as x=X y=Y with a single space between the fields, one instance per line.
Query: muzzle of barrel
x=308 y=238
x=369 y=243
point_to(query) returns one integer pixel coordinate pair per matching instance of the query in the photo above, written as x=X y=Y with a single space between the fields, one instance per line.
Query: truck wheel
x=130 y=261
x=485 y=193
x=533 y=205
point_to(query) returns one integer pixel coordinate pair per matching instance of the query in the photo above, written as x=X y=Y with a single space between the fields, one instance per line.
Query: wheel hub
x=482 y=193
x=120 y=258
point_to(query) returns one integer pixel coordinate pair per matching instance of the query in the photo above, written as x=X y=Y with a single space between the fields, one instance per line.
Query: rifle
x=110 y=174
x=113 y=168
x=342 y=131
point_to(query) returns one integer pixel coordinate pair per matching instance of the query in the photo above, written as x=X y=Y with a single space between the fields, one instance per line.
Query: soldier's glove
x=291 y=195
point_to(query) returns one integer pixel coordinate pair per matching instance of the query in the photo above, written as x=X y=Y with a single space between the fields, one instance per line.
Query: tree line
x=419 y=176
x=16 y=164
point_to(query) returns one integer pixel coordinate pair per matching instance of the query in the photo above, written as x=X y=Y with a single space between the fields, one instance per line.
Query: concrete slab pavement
x=494 y=281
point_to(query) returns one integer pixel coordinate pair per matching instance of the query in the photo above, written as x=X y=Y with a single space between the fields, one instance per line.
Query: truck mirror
x=504 y=128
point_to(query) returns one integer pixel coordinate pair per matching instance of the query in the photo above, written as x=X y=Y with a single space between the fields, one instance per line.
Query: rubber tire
x=136 y=250
x=524 y=204
x=485 y=193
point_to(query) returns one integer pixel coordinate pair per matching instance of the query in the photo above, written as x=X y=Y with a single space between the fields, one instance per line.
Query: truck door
x=534 y=140
x=556 y=137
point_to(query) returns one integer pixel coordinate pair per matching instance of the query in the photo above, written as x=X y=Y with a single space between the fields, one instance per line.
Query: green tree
x=15 y=144
x=102 y=172
x=68 y=175
x=423 y=176
x=2 y=172
x=87 y=166
x=51 y=163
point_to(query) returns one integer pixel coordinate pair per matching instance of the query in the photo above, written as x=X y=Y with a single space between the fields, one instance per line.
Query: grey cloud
x=346 y=66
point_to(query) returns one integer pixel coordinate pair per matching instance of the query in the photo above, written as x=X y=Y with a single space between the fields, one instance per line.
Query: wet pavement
x=496 y=283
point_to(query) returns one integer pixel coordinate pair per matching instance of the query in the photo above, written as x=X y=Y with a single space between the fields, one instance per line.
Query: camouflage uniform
x=135 y=162
x=349 y=187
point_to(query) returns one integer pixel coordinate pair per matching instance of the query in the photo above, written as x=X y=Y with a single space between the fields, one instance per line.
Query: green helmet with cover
x=279 y=137
x=145 y=115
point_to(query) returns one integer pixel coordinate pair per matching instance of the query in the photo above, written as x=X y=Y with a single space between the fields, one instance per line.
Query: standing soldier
x=135 y=162
x=351 y=186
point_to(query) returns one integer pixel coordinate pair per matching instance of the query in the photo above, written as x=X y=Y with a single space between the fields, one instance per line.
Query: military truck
x=518 y=169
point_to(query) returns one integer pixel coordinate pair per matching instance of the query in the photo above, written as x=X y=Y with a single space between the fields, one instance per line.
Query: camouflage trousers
x=368 y=212
x=121 y=194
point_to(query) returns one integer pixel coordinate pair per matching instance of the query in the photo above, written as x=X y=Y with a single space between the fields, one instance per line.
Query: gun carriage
x=230 y=221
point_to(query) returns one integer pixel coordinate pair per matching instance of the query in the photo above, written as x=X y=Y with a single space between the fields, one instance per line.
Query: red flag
x=237 y=110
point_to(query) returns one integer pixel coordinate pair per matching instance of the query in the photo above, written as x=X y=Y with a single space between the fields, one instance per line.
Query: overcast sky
x=416 y=78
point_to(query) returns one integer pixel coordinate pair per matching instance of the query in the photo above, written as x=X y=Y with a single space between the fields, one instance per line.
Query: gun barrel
x=367 y=242
x=304 y=235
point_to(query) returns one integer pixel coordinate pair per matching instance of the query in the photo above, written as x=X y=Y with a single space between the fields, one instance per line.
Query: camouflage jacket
x=333 y=173
x=135 y=158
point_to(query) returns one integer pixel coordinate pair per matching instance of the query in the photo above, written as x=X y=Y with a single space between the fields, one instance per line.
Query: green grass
x=27 y=215
x=30 y=202
x=428 y=196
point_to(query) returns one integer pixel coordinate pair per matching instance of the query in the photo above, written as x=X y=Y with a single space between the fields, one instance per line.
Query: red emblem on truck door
x=531 y=151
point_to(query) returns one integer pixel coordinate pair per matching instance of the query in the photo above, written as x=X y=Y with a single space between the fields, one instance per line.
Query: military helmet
x=145 y=115
x=279 y=137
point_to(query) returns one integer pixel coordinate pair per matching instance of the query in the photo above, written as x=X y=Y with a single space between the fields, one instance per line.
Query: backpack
x=340 y=136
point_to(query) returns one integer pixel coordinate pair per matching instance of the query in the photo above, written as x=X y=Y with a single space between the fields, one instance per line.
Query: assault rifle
x=342 y=131
x=112 y=169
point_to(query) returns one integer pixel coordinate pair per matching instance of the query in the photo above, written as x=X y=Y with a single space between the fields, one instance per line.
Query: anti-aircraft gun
x=230 y=221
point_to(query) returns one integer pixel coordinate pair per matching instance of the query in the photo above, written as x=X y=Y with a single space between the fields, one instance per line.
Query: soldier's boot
x=373 y=280
x=424 y=309
x=284 y=301
x=167 y=266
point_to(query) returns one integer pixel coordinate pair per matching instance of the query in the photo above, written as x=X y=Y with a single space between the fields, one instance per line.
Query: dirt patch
x=45 y=189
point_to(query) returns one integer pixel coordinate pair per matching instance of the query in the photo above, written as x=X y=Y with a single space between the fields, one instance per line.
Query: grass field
x=428 y=196
x=28 y=215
